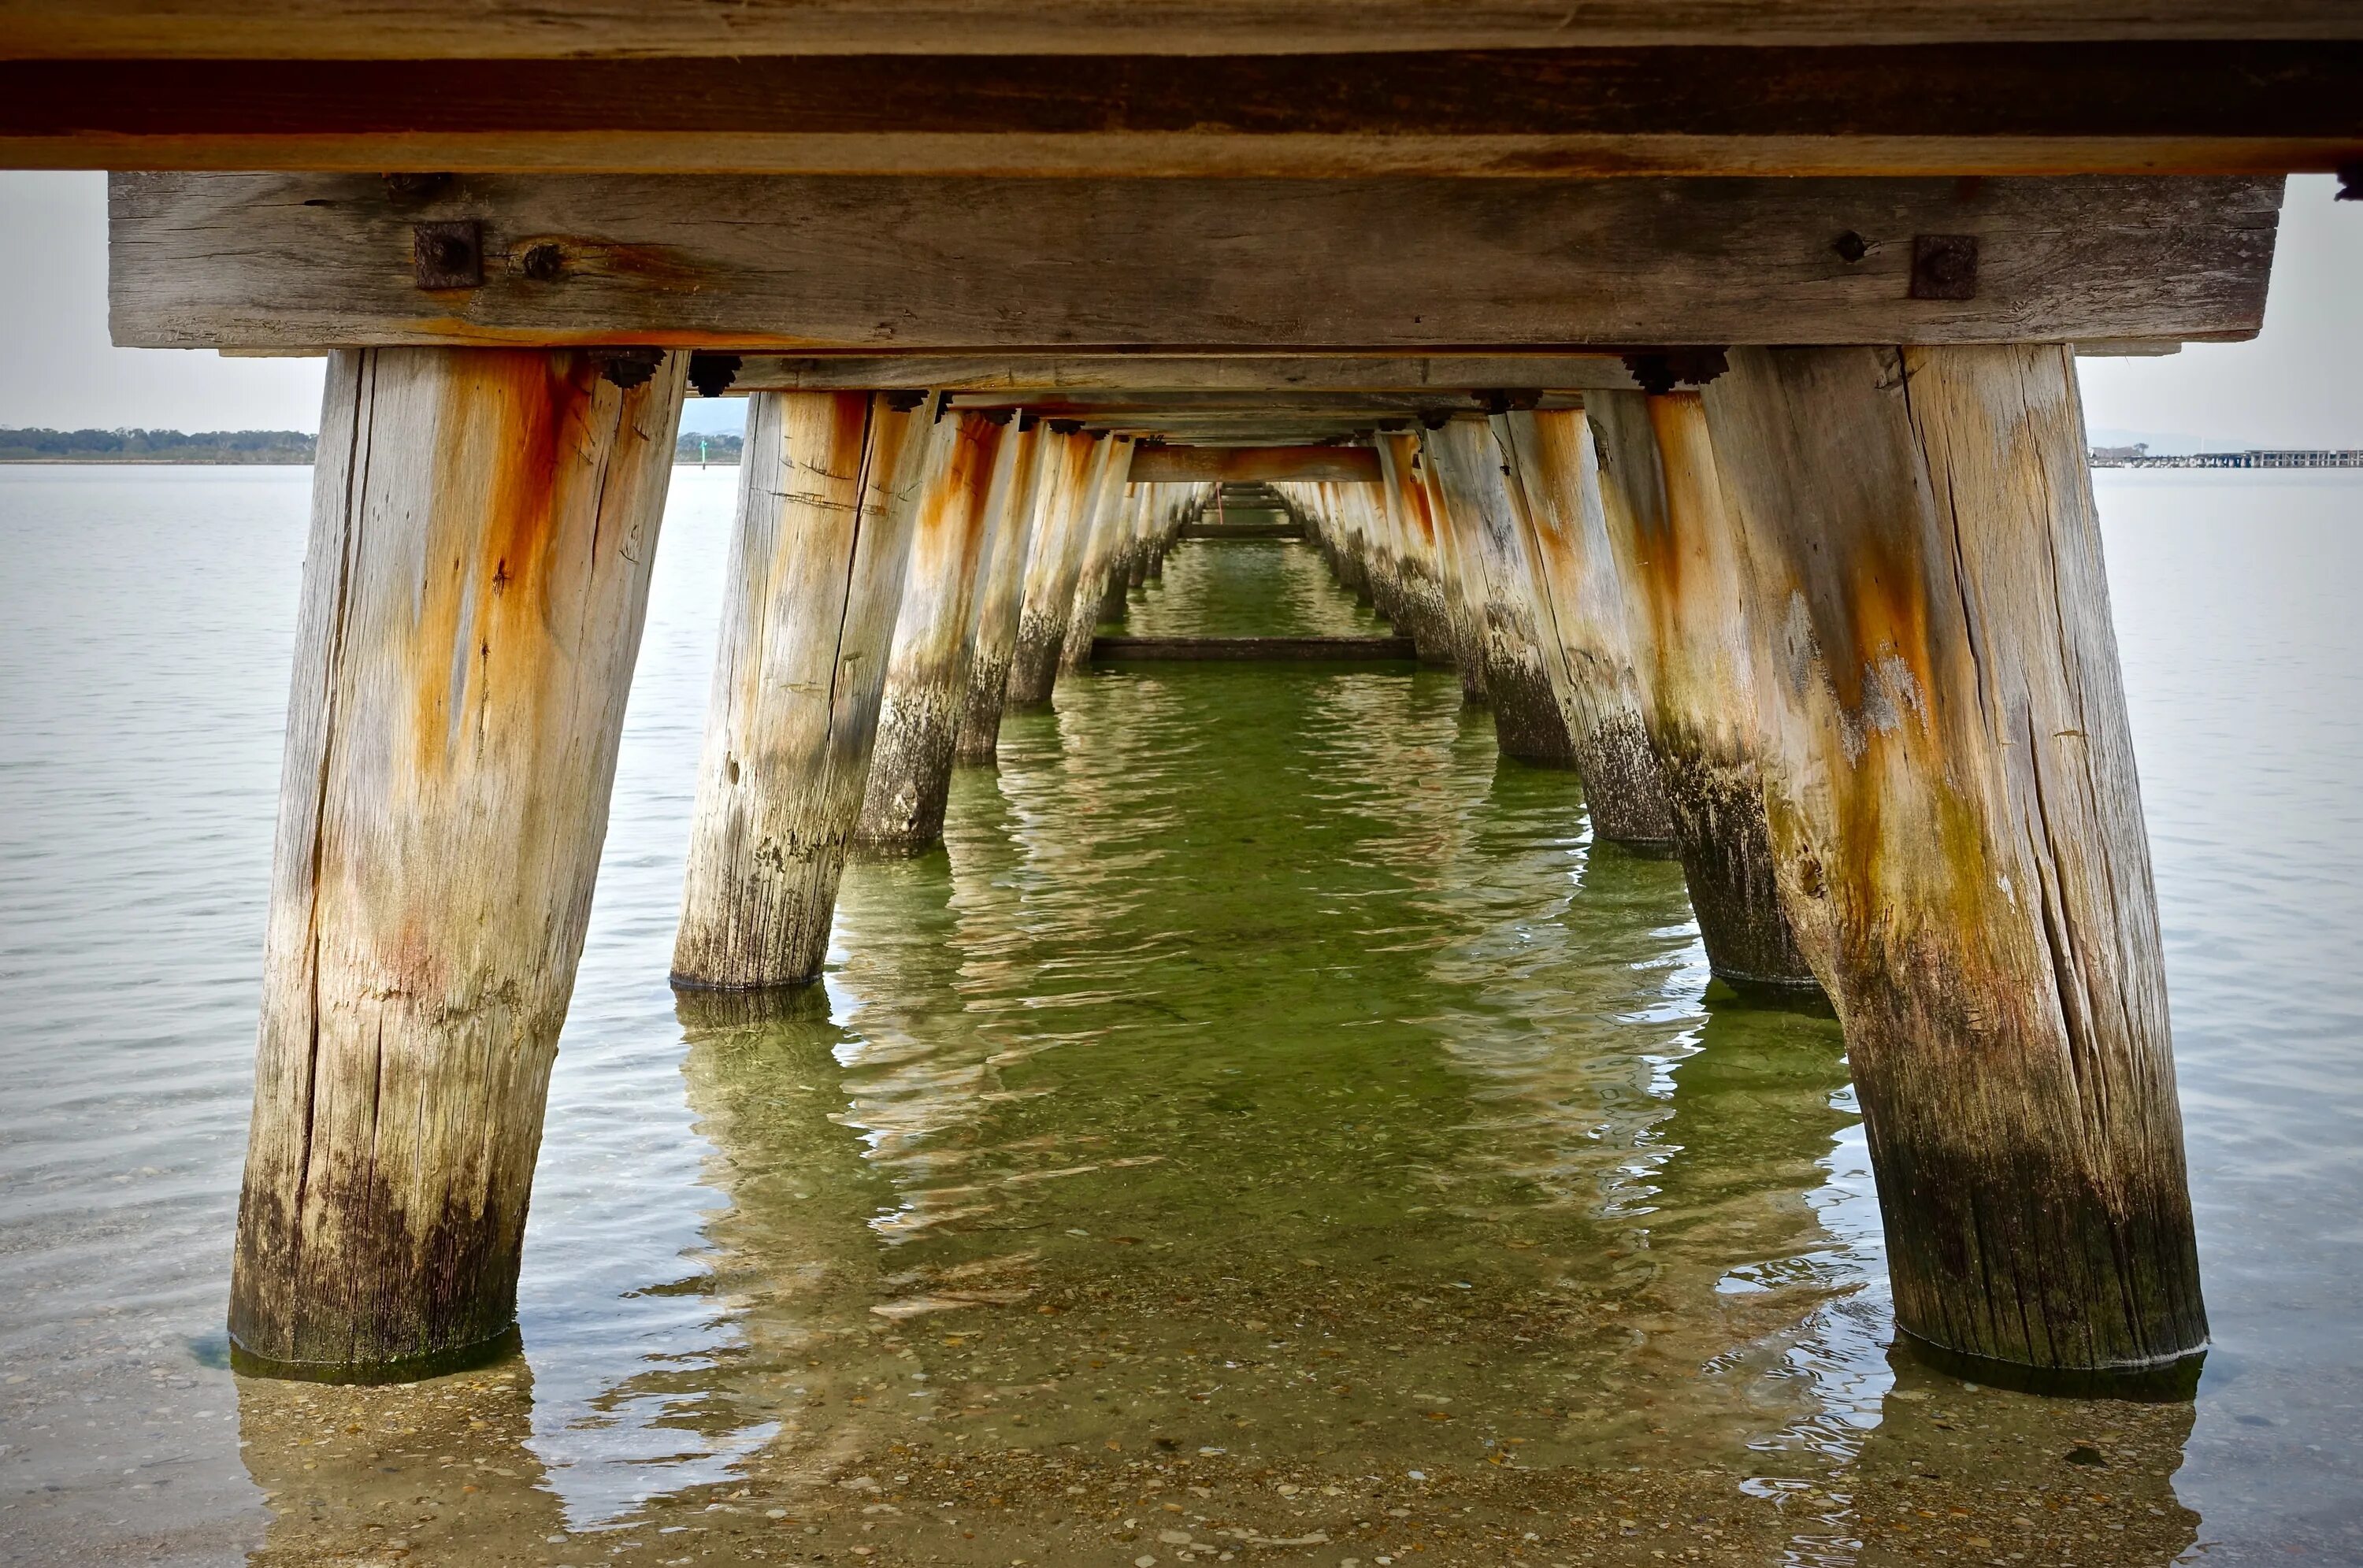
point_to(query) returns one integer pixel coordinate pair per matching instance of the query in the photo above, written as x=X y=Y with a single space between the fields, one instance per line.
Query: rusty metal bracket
x=448 y=254
x=1943 y=266
x=712 y=374
x=1660 y=371
x=628 y=368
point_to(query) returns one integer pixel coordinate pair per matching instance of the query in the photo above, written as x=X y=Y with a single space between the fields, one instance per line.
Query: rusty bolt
x=543 y=263
x=448 y=254
x=712 y=374
x=1851 y=246
x=1943 y=266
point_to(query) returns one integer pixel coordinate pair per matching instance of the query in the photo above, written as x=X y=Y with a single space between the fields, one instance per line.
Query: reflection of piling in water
x=438 y=1471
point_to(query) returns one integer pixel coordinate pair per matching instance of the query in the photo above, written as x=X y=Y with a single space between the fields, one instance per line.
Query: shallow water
x=1269 y=1118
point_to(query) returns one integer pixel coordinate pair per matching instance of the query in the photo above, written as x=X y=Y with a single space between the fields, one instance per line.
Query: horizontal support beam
x=380 y=30
x=288 y=260
x=1243 y=465
x=2233 y=106
x=1028 y=379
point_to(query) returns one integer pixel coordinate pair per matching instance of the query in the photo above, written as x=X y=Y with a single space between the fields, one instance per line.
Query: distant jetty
x=2139 y=455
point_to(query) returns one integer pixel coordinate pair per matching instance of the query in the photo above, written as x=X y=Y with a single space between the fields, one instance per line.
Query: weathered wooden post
x=1461 y=601
x=817 y=566
x=1585 y=642
x=1102 y=528
x=1471 y=474
x=1951 y=789
x=1073 y=463
x=1374 y=523
x=927 y=676
x=1682 y=562
x=1011 y=532
x=482 y=527
x=1422 y=585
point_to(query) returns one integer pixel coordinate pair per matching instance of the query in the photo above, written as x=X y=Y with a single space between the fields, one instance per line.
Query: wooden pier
x=1700 y=384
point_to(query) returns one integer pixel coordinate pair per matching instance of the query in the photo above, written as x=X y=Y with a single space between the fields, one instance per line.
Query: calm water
x=1271 y=1132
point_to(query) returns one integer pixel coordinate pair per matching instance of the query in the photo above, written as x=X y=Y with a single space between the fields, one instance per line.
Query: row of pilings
x=1833 y=629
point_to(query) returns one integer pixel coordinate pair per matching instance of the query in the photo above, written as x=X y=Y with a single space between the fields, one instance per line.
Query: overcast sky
x=2300 y=384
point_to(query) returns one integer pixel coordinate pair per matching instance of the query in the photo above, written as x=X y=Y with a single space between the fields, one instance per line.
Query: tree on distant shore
x=155 y=446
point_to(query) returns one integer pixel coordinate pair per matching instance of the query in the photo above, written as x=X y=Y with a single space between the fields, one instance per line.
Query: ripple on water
x=1266 y=1075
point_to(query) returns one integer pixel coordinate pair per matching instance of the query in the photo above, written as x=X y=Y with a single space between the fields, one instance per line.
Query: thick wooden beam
x=1243 y=465
x=288 y=260
x=1074 y=465
x=1682 y=568
x=1027 y=378
x=1554 y=477
x=1002 y=590
x=1107 y=527
x=453 y=30
x=817 y=568
x=1421 y=580
x=927 y=676
x=482 y=528
x=2236 y=103
x=1949 y=775
x=1506 y=591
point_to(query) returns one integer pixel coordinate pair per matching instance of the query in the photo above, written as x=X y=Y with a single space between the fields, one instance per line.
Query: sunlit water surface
x=1270 y=1128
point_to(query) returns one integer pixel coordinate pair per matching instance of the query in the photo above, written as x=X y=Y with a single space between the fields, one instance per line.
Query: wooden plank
x=1292 y=649
x=295 y=261
x=526 y=29
x=1242 y=464
x=1028 y=379
x=2232 y=106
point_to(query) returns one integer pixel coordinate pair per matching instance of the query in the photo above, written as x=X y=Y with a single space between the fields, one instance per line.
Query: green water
x=1268 y=1129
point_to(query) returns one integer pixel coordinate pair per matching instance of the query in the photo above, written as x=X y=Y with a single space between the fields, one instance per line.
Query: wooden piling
x=1101 y=528
x=1952 y=799
x=1503 y=576
x=824 y=519
x=1010 y=533
x=1585 y=644
x=1681 y=561
x=1420 y=577
x=1460 y=604
x=927 y=676
x=482 y=525
x=1073 y=465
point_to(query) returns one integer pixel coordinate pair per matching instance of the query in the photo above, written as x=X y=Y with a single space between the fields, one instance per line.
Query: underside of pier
x=1698 y=382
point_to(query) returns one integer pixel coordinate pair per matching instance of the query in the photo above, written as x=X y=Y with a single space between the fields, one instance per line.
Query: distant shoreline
x=235 y=448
